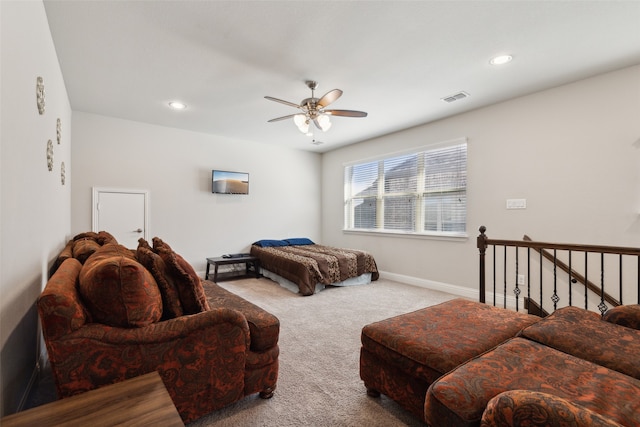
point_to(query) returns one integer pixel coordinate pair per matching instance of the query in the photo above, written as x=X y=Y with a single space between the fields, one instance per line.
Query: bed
x=302 y=266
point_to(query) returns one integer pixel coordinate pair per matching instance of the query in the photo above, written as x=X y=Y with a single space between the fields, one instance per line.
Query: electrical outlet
x=520 y=279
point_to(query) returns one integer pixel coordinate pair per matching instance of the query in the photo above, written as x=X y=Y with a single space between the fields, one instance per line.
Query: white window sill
x=427 y=236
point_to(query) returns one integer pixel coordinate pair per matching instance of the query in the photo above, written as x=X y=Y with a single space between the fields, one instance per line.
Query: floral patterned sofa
x=481 y=367
x=110 y=313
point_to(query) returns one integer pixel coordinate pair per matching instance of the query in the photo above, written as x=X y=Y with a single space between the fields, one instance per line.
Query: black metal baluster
x=516 y=291
x=602 y=306
x=555 y=297
x=586 y=279
x=529 y=279
x=494 y=275
x=570 y=282
x=504 y=279
x=620 y=278
x=541 y=310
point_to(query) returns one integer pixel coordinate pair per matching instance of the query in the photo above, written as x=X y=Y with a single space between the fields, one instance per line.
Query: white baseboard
x=431 y=284
x=32 y=381
x=460 y=291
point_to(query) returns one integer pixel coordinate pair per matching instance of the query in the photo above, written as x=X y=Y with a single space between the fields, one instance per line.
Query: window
x=421 y=192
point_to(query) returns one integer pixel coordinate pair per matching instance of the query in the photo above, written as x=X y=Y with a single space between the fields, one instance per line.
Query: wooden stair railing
x=575 y=276
x=533 y=307
x=544 y=249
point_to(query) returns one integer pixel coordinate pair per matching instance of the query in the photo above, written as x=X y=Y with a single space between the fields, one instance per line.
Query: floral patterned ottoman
x=459 y=398
x=401 y=356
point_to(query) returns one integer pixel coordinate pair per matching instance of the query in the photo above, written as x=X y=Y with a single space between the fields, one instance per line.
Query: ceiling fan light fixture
x=324 y=122
x=301 y=122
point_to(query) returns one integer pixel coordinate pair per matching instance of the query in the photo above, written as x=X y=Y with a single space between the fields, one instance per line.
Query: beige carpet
x=319 y=383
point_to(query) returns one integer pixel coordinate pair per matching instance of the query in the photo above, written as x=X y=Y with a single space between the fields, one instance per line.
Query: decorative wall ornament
x=62 y=173
x=50 y=155
x=58 y=131
x=40 y=94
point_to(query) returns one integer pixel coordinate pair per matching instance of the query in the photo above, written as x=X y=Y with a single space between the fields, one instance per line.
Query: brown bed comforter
x=308 y=265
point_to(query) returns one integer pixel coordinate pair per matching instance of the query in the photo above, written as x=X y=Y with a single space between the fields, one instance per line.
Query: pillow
x=624 y=315
x=119 y=291
x=58 y=303
x=144 y=244
x=88 y=235
x=192 y=296
x=266 y=243
x=84 y=248
x=299 y=241
x=66 y=253
x=168 y=289
x=110 y=250
x=105 y=238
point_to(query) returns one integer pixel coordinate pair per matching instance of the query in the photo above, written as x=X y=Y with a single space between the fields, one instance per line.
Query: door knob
x=139 y=230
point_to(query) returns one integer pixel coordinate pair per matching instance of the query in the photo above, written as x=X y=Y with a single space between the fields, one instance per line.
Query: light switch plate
x=516 y=203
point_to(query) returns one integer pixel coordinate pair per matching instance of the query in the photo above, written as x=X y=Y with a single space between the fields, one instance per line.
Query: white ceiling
x=393 y=59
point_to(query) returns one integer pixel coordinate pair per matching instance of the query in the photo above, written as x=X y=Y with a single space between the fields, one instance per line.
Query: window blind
x=422 y=192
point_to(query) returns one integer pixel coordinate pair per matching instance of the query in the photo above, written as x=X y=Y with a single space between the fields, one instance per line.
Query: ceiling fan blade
x=291 y=104
x=329 y=97
x=277 y=119
x=345 y=113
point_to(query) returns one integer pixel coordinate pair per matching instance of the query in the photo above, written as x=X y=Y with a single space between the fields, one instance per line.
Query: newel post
x=482 y=247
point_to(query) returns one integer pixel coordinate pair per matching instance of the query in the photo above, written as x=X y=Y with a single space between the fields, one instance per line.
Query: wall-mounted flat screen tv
x=225 y=182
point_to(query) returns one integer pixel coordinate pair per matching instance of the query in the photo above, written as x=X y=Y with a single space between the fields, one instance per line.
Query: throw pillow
x=105 y=238
x=119 y=291
x=268 y=243
x=168 y=289
x=84 y=248
x=87 y=235
x=110 y=250
x=66 y=253
x=299 y=241
x=192 y=296
x=143 y=243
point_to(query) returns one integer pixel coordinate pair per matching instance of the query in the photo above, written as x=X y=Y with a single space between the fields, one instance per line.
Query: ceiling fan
x=313 y=109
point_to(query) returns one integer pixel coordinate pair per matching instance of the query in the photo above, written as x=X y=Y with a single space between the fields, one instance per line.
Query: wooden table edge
x=141 y=400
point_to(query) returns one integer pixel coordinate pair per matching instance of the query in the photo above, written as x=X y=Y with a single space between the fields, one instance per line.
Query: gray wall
x=34 y=205
x=573 y=152
x=175 y=167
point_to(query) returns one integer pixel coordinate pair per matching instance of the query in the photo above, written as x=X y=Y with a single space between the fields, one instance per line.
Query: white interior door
x=121 y=212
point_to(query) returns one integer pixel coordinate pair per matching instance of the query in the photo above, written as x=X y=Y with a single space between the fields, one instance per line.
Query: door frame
x=95 y=192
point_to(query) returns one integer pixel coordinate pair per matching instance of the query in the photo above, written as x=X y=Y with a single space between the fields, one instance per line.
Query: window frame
x=417 y=196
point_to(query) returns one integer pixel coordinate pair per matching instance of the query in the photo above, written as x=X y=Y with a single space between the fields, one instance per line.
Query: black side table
x=250 y=262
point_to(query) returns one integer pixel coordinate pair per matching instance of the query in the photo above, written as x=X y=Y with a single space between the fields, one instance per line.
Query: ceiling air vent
x=456 y=97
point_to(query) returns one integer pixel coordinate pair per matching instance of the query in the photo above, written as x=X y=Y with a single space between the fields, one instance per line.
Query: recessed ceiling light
x=501 y=59
x=176 y=105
